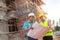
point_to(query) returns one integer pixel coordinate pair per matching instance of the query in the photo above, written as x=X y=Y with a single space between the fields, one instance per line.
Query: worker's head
x=41 y=16
x=31 y=16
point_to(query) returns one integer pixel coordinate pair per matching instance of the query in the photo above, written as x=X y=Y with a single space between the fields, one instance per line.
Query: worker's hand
x=31 y=28
x=25 y=30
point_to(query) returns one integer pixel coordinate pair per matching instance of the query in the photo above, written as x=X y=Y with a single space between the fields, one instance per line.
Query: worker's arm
x=50 y=25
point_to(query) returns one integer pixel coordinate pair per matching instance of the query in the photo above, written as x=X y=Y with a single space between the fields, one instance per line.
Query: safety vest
x=45 y=24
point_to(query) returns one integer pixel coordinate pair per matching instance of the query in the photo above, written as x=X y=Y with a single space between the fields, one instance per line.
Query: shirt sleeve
x=25 y=25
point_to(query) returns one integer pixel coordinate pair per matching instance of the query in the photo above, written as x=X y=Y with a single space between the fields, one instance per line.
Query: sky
x=52 y=7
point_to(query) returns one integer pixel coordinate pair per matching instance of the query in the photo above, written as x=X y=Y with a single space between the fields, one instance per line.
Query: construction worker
x=45 y=22
x=28 y=24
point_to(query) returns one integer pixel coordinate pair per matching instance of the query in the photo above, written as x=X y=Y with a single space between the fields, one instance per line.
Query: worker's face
x=31 y=18
x=42 y=18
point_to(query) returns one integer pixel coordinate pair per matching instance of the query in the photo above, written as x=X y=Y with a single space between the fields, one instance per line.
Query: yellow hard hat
x=40 y=15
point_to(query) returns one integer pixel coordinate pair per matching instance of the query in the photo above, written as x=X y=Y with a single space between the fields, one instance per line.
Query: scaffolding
x=9 y=30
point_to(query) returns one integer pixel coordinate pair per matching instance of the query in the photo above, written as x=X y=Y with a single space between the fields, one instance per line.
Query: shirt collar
x=29 y=21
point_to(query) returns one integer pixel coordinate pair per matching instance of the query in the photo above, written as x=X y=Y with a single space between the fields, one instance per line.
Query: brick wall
x=22 y=19
x=20 y=4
